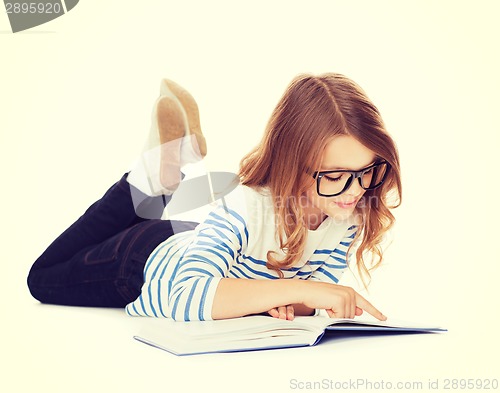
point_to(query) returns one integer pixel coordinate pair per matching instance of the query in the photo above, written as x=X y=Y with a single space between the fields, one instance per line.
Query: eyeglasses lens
x=374 y=176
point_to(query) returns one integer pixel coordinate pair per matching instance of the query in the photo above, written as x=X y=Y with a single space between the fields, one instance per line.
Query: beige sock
x=157 y=171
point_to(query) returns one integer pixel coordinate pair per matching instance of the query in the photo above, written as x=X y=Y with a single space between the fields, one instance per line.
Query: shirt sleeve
x=218 y=241
x=336 y=263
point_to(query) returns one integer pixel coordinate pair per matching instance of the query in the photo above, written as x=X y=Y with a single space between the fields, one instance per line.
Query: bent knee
x=34 y=286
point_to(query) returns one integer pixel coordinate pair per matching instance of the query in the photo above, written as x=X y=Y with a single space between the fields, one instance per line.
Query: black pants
x=99 y=260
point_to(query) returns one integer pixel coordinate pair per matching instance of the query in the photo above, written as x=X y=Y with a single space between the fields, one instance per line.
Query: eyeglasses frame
x=354 y=175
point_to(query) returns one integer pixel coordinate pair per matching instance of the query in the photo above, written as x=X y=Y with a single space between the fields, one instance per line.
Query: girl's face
x=343 y=152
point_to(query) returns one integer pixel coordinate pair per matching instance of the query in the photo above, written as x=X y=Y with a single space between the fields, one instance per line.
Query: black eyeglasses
x=333 y=183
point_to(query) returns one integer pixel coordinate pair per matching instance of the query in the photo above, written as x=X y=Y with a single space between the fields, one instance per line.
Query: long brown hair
x=313 y=110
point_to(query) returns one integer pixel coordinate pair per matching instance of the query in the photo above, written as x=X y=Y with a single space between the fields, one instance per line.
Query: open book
x=260 y=332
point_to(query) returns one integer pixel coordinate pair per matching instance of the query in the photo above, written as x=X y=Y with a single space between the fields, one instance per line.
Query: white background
x=75 y=103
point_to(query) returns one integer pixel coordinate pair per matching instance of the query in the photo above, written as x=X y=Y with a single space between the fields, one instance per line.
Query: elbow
x=190 y=300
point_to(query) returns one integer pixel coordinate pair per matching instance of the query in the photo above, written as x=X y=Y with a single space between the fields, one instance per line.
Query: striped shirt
x=181 y=275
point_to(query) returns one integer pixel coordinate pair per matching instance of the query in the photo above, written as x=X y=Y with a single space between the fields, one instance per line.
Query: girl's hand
x=283 y=312
x=338 y=301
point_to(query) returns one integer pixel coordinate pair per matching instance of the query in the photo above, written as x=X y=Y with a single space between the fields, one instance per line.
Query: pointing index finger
x=364 y=304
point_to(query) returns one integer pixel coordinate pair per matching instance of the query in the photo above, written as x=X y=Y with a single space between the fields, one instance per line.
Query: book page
x=368 y=322
x=238 y=334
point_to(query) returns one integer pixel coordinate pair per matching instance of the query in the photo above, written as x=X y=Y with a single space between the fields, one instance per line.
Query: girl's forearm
x=236 y=297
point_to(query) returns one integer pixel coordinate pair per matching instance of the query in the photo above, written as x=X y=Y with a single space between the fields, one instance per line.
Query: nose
x=355 y=188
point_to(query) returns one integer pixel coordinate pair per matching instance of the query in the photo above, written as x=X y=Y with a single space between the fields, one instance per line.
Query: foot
x=172 y=127
x=190 y=106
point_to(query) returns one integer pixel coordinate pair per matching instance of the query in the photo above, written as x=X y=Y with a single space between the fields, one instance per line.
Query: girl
x=316 y=188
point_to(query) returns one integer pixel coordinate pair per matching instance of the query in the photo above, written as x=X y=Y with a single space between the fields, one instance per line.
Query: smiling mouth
x=346 y=205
